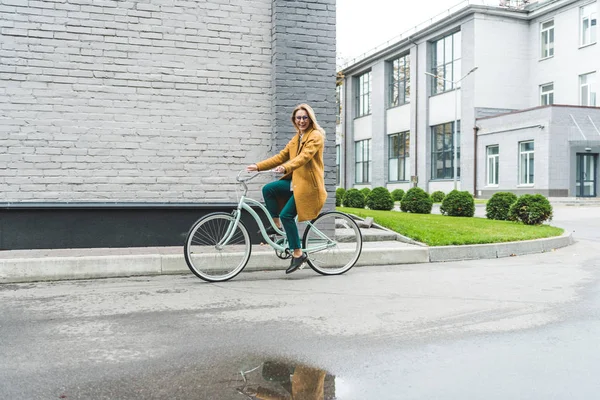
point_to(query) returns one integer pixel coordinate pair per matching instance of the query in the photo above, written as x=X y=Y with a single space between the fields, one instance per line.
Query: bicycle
x=218 y=246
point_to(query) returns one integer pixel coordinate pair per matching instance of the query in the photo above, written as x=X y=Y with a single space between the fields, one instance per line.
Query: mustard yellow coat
x=305 y=166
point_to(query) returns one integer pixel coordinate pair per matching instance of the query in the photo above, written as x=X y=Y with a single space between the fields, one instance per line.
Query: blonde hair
x=311 y=115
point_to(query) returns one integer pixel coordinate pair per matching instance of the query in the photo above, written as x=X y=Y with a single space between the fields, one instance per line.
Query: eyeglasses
x=301 y=117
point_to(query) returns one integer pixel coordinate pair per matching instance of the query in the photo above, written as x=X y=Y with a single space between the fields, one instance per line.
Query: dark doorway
x=586 y=175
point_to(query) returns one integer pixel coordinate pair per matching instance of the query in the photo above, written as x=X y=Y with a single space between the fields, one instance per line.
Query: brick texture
x=151 y=101
x=304 y=72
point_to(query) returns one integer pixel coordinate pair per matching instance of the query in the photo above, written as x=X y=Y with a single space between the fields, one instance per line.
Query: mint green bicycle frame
x=244 y=204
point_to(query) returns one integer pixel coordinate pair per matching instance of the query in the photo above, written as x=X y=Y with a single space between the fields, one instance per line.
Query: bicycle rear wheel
x=209 y=260
x=340 y=239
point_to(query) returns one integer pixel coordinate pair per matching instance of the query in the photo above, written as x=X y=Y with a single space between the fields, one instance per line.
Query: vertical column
x=348 y=130
x=423 y=163
x=378 y=121
x=303 y=60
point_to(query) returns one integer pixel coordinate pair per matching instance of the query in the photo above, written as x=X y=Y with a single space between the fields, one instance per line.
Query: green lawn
x=477 y=201
x=441 y=230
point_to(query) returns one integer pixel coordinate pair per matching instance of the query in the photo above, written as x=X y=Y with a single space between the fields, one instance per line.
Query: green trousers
x=281 y=189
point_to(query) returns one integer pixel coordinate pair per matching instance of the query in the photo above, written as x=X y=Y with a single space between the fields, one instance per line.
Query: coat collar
x=304 y=139
x=305 y=136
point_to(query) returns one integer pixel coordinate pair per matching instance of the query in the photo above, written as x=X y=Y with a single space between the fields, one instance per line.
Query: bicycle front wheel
x=206 y=255
x=333 y=243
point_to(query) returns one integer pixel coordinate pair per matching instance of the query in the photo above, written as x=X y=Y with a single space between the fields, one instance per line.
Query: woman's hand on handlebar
x=251 y=168
x=280 y=169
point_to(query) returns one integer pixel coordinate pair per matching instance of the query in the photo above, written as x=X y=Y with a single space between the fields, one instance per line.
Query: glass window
x=547 y=39
x=442 y=151
x=399 y=79
x=337 y=164
x=493 y=162
x=398 y=156
x=588 y=24
x=547 y=94
x=362 y=168
x=445 y=65
x=363 y=94
x=587 y=89
x=338 y=104
x=526 y=170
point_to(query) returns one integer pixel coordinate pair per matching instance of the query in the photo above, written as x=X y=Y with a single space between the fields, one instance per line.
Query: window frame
x=338 y=103
x=592 y=93
x=364 y=165
x=529 y=162
x=446 y=153
x=592 y=17
x=363 y=97
x=547 y=40
x=492 y=160
x=403 y=137
x=440 y=70
x=547 y=97
x=398 y=80
x=338 y=162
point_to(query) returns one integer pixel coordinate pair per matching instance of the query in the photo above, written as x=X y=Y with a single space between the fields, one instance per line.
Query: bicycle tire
x=342 y=256
x=205 y=259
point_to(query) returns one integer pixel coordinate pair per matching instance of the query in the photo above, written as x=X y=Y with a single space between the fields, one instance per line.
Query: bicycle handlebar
x=254 y=174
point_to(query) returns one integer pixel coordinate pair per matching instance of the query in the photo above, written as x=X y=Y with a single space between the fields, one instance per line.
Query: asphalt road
x=513 y=328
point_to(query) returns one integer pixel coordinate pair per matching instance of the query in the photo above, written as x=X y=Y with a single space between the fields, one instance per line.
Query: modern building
x=122 y=122
x=513 y=86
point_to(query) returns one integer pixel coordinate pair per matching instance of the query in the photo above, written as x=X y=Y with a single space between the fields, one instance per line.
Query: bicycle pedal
x=302 y=266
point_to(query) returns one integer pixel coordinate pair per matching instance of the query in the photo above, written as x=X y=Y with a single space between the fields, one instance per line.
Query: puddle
x=246 y=377
x=282 y=380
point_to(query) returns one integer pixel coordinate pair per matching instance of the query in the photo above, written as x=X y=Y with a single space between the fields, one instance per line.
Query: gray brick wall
x=304 y=72
x=152 y=101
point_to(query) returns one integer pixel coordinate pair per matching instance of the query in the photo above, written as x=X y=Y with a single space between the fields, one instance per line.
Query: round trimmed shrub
x=354 y=199
x=365 y=192
x=417 y=201
x=458 y=204
x=397 y=194
x=339 y=196
x=499 y=204
x=531 y=209
x=380 y=199
x=438 y=196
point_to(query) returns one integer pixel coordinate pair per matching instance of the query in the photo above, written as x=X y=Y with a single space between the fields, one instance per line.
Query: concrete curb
x=497 y=250
x=19 y=270
x=81 y=266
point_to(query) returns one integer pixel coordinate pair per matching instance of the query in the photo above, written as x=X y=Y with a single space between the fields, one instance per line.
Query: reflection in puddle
x=280 y=380
x=237 y=377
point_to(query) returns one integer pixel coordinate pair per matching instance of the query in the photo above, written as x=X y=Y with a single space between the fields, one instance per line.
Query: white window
x=446 y=61
x=493 y=160
x=547 y=94
x=547 y=39
x=587 y=25
x=398 y=155
x=337 y=164
x=338 y=103
x=399 y=92
x=587 y=89
x=362 y=152
x=442 y=151
x=526 y=163
x=363 y=94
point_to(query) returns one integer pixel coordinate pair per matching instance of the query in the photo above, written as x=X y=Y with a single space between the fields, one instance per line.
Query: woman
x=302 y=188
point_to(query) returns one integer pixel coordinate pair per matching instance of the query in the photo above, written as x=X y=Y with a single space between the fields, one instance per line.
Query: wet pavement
x=512 y=328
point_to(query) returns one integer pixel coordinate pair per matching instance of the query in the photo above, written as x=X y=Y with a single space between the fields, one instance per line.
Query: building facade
x=514 y=88
x=121 y=115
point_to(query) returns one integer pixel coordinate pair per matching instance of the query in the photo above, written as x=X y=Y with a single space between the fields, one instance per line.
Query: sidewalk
x=380 y=247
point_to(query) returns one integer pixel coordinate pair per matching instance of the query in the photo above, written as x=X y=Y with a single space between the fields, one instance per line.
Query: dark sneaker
x=296 y=263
